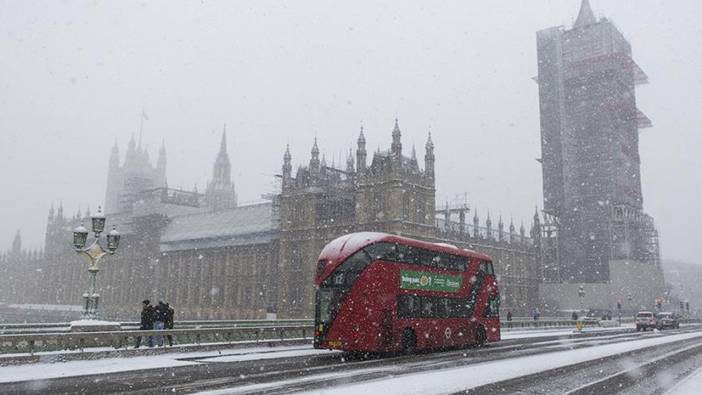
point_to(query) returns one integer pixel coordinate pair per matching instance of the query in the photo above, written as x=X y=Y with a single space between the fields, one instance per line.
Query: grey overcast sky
x=74 y=76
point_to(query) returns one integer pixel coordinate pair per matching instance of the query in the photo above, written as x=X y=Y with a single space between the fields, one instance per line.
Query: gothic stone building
x=211 y=258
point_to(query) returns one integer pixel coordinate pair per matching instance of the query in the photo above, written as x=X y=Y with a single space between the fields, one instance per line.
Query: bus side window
x=408 y=306
x=442 y=308
x=493 y=308
x=428 y=308
x=486 y=267
x=491 y=268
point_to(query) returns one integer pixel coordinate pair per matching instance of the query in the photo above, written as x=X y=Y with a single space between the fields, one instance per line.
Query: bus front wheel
x=480 y=337
x=409 y=341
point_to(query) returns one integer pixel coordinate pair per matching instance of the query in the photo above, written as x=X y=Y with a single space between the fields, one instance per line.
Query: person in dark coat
x=147 y=322
x=509 y=316
x=170 y=313
x=160 y=313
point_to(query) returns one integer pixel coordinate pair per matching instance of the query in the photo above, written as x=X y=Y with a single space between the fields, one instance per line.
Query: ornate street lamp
x=94 y=252
x=581 y=294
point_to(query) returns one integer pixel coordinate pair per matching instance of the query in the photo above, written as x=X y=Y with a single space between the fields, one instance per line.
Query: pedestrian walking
x=160 y=312
x=147 y=322
x=169 y=322
x=509 y=316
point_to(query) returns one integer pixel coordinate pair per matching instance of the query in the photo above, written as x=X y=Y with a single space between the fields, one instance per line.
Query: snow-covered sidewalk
x=690 y=385
x=44 y=371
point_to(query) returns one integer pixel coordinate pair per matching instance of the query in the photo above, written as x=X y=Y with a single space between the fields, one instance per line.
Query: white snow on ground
x=458 y=379
x=252 y=357
x=690 y=385
x=43 y=371
x=522 y=334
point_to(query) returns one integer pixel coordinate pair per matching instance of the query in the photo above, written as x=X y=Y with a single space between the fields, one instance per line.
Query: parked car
x=645 y=320
x=667 y=320
x=598 y=315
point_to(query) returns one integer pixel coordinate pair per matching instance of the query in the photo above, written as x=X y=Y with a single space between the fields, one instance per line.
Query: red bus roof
x=342 y=247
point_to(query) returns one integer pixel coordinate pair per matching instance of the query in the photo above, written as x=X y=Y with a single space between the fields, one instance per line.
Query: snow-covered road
x=286 y=368
x=43 y=371
x=448 y=381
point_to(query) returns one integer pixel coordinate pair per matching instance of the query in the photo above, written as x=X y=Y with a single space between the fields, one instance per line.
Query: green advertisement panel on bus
x=426 y=281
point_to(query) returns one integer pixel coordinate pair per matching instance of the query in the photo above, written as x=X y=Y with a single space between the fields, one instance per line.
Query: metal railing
x=34 y=342
x=66 y=326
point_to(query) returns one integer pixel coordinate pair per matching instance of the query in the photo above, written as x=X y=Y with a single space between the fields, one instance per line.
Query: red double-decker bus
x=378 y=292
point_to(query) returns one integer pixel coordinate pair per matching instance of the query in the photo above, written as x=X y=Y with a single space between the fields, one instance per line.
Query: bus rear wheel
x=480 y=337
x=409 y=341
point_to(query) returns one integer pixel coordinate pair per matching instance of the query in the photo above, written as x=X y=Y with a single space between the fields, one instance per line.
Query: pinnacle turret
x=361 y=152
x=585 y=17
x=429 y=157
x=349 y=161
x=396 y=146
x=17 y=243
x=114 y=156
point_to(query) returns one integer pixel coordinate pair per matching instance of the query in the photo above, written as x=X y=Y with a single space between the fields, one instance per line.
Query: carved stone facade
x=211 y=258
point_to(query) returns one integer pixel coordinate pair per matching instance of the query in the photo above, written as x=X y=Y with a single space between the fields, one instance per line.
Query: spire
x=314 y=161
x=223 y=143
x=17 y=243
x=114 y=156
x=413 y=159
x=488 y=225
x=286 y=156
x=361 y=152
x=59 y=213
x=315 y=149
x=349 y=161
x=287 y=167
x=429 y=157
x=536 y=215
x=511 y=225
x=51 y=212
x=132 y=145
x=222 y=167
x=131 y=157
x=500 y=229
x=361 y=138
x=396 y=146
x=585 y=17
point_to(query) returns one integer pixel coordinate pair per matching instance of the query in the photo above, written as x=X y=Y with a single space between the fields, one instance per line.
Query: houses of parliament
x=212 y=258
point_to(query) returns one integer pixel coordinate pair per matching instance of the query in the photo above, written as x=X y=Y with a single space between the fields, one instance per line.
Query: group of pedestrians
x=157 y=317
